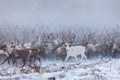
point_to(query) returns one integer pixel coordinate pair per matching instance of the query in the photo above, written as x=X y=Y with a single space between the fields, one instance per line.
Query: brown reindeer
x=91 y=48
x=36 y=53
x=60 y=52
x=15 y=53
x=114 y=49
x=25 y=54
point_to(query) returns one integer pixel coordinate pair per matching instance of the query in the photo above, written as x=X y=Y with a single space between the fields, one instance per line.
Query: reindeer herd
x=63 y=50
x=61 y=46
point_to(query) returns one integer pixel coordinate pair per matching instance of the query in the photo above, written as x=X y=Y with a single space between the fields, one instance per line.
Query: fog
x=60 y=12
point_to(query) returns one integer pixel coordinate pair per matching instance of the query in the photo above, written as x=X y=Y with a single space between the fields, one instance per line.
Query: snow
x=1 y=52
x=94 y=69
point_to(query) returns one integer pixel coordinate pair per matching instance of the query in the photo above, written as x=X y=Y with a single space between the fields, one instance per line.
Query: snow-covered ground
x=94 y=69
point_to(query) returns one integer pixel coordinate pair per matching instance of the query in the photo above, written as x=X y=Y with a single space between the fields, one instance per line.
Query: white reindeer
x=74 y=51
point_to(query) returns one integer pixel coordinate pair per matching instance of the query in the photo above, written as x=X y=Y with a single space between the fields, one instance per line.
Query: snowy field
x=53 y=29
x=94 y=69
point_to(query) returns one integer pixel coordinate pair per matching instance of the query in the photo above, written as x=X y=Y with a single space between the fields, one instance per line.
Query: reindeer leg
x=34 y=61
x=39 y=60
x=43 y=56
x=76 y=58
x=9 y=60
x=85 y=58
x=30 y=62
x=66 y=59
x=114 y=54
x=15 y=61
x=24 y=62
x=11 y=56
x=6 y=60
x=81 y=58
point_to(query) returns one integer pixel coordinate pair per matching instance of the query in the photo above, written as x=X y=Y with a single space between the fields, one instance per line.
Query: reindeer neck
x=67 y=47
x=8 y=50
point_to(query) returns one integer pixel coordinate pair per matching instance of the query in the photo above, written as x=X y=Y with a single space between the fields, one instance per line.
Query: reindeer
x=74 y=51
x=36 y=53
x=94 y=48
x=115 y=47
x=25 y=54
x=15 y=53
x=90 y=47
x=60 y=51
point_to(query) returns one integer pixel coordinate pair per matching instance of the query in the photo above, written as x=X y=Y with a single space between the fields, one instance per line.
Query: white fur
x=74 y=51
x=30 y=52
x=27 y=45
x=18 y=47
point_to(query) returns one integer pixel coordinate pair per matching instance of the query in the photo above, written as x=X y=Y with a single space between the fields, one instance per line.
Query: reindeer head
x=68 y=45
x=3 y=47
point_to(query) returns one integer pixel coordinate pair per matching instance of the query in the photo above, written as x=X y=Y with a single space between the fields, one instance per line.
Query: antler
x=72 y=38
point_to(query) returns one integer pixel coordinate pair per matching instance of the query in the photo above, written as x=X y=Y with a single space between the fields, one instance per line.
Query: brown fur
x=38 y=51
x=34 y=54
x=61 y=51
x=25 y=54
x=115 y=47
x=36 y=69
x=91 y=48
x=100 y=49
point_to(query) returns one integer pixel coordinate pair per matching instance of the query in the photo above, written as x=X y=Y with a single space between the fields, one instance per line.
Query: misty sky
x=70 y=12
